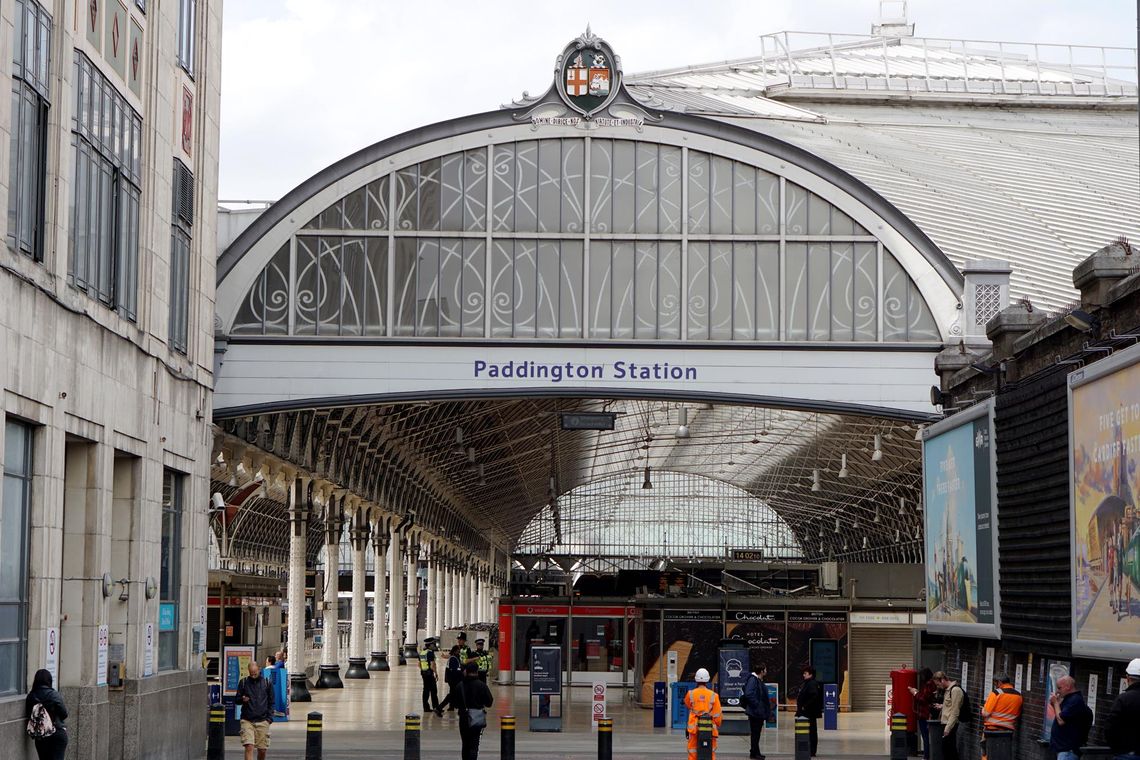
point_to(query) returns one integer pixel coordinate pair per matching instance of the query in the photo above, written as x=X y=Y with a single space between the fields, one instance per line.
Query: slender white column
x=432 y=623
x=395 y=600
x=330 y=650
x=445 y=602
x=441 y=595
x=359 y=580
x=299 y=527
x=413 y=597
x=380 y=588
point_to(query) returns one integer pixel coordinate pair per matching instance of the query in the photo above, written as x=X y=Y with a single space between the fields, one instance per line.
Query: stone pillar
x=379 y=658
x=357 y=655
x=432 y=626
x=300 y=504
x=411 y=638
x=329 y=677
x=395 y=601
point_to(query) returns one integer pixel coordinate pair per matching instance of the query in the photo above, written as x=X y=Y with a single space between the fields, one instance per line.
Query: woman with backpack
x=45 y=713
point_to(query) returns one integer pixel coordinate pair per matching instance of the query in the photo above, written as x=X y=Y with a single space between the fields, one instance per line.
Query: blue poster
x=732 y=669
x=168 y=616
x=774 y=703
x=546 y=670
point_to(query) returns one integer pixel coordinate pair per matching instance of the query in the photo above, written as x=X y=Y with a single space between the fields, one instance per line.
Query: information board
x=51 y=654
x=236 y=660
x=732 y=669
x=103 y=643
x=148 y=650
x=825 y=660
x=167 y=616
x=545 y=670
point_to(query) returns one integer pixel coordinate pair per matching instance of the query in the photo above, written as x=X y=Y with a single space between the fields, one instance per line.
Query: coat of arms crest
x=589 y=74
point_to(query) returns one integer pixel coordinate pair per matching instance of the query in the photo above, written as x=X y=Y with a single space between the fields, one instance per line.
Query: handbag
x=476 y=716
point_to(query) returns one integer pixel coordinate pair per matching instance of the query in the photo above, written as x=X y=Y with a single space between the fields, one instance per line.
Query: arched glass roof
x=586 y=238
x=681 y=515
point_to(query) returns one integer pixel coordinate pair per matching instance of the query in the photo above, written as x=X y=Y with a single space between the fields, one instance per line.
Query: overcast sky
x=306 y=82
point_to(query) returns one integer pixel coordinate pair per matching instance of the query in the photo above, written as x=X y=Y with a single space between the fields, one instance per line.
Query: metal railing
x=816 y=60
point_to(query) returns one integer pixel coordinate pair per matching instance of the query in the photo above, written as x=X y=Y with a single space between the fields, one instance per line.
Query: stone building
x=109 y=178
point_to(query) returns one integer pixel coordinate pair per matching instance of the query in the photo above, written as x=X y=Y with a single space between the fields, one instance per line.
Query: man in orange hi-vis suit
x=702 y=701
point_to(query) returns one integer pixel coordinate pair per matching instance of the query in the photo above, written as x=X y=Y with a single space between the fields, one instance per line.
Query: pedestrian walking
x=452 y=676
x=954 y=696
x=255 y=696
x=426 y=656
x=809 y=704
x=1122 y=727
x=756 y=707
x=472 y=699
x=1072 y=722
x=925 y=696
x=54 y=744
x=702 y=701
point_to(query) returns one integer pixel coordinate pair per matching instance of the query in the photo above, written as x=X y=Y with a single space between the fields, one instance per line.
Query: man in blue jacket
x=1072 y=722
x=756 y=707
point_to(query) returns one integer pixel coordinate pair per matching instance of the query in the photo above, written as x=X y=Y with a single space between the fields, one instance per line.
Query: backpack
x=40 y=725
x=966 y=712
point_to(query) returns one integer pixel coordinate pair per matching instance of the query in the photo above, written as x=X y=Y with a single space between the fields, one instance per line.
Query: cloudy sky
x=306 y=82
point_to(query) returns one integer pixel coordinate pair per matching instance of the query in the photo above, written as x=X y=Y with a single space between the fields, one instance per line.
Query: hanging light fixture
x=482 y=476
x=865 y=542
x=458 y=449
x=902 y=505
x=836 y=524
x=843 y=466
x=816 y=485
x=898 y=535
x=683 y=423
x=877 y=513
x=647 y=483
x=877 y=454
x=917 y=532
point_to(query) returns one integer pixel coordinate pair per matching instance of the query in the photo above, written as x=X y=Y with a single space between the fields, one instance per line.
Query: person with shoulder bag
x=46 y=713
x=471 y=698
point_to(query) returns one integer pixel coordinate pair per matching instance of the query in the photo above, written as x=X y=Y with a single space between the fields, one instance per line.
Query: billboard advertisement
x=959 y=488
x=765 y=636
x=1104 y=451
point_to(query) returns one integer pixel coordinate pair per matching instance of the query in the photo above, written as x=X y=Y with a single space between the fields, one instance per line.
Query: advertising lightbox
x=959 y=486
x=1104 y=443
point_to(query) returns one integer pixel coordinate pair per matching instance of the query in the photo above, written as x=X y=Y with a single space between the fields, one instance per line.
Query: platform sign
x=598 y=703
x=830 y=707
x=51 y=654
x=148 y=650
x=236 y=661
x=103 y=644
x=545 y=670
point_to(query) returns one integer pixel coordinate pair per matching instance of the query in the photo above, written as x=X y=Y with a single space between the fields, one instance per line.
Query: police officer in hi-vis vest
x=482 y=659
x=426 y=655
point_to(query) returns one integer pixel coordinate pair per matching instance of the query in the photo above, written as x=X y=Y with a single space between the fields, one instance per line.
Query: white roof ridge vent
x=892 y=20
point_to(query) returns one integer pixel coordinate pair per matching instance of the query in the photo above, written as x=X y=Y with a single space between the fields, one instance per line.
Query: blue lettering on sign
x=563 y=371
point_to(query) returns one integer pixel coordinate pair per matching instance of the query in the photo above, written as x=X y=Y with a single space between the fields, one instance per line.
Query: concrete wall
x=111 y=403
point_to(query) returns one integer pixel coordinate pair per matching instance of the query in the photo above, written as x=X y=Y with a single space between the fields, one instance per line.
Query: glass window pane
x=601 y=187
x=864 y=300
x=669 y=291
x=11 y=667
x=427 y=288
x=624 y=170
x=353 y=294
x=474 y=263
x=549 y=185
x=768 y=291
x=599 y=290
x=895 y=283
x=670 y=193
x=376 y=202
x=698 y=193
x=524 y=288
x=819 y=215
x=450 y=286
x=475 y=190
x=526 y=186
x=549 y=279
x=13 y=534
x=720 y=291
x=645 y=292
x=376 y=287
x=743 y=199
x=721 y=210
x=744 y=291
x=646 y=190
x=573 y=184
x=796 y=202
x=429 y=195
x=819 y=292
x=451 y=192
x=795 y=289
x=698 y=291
x=570 y=293
x=502 y=288
x=503 y=192
x=306 y=295
x=622 y=289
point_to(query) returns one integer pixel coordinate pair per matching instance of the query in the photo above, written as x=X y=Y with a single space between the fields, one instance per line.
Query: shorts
x=256 y=734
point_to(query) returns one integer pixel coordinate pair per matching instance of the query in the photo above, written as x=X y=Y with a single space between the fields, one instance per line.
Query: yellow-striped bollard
x=216 y=736
x=411 y=737
x=605 y=739
x=803 y=738
x=507 y=738
x=704 y=737
x=313 y=732
x=899 y=750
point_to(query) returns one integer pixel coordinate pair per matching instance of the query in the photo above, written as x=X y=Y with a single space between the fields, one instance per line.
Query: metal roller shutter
x=875 y=651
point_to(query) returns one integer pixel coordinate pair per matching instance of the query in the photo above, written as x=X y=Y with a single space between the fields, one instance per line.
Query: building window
x=186 y=34
x=170 y=583
x=31 y=41
x=15 y=506
x=107 y=142
x=182 y=214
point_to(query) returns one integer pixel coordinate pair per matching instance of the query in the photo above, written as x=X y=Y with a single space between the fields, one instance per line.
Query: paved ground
x=366 y=718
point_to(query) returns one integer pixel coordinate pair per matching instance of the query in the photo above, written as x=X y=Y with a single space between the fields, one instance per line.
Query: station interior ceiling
x=501 y=474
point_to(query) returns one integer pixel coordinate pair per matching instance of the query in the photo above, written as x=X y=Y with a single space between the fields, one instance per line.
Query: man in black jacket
x=472 y=694
x=452 y=676
x=1122 y=727
x=809 y=704
x=255 y=696
x=756 y=707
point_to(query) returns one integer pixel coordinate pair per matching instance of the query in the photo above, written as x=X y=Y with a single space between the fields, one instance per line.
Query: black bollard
x=999 y=745
x=411 y=737
x=934 y=735
x=216 y=736
x=507 y=738
x=313 y=750
x=704 y=737
x=803 y=739
x=900 y=748
x=605 y=739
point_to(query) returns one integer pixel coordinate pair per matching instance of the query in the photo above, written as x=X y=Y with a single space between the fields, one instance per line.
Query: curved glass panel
x=587 y=238
x=682 y=515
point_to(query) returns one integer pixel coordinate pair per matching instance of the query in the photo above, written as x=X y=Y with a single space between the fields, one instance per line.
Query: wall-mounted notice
x=51 y=654
x=1018 y=675
x=103 y=645
x=148 y=650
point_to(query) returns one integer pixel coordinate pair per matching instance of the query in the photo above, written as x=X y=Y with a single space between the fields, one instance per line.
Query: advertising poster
x=695 y=636
x=732 y=671
x=960 y=512
x=236 y=660
x=1104 y=440
x=545 y=670
x=802 y=628
x=652 y=658
x=765 y=635
x=1056 y=669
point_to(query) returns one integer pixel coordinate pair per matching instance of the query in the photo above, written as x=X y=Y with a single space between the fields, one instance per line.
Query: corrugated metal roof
x=1000 y=177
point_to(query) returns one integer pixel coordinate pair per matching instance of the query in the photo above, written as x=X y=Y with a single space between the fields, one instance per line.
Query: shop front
x=597 y=641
